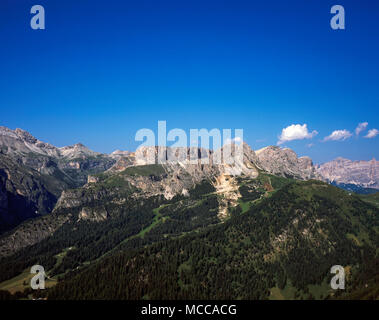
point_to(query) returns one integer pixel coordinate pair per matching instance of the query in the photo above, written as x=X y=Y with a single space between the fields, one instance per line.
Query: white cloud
x=372 y=133
x=296 y=132
x=361 y=127
x=338 y=135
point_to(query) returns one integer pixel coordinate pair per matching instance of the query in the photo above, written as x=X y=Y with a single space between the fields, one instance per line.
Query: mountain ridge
x=75 y=166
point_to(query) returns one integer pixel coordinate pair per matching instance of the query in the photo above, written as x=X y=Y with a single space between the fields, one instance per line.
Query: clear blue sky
x=104 y=69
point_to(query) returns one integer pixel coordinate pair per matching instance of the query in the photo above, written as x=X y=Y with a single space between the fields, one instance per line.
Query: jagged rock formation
x=345 y=171
x=138 y=174
x=246 y=162
x=285 y=163
x=22 y=142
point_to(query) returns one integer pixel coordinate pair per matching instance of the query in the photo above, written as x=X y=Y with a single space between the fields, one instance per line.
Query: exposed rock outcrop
x=93 y=214
x=284 y=162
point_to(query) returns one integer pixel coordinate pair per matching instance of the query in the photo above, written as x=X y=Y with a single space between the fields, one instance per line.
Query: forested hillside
x=278 y=242
x=285 y=242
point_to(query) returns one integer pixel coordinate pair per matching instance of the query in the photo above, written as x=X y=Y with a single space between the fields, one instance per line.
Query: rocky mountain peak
x=25 y=136
x=4 y=131
x=77 y=150
x=285 y=162
x=19 y=141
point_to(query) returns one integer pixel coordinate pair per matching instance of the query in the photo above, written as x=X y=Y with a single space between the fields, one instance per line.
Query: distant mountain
x=357 y=176
x=70 y=164
x=33 y=174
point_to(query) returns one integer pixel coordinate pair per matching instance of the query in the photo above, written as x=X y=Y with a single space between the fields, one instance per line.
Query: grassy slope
x=22 y=282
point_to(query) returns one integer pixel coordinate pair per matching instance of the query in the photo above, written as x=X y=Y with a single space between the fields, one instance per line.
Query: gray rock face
x=139 y=171
x=193 y=159
x=361 y=173
x=21 y=142
x=24 y=194
x=284 y=162
x=93 y=214
x=272 y=159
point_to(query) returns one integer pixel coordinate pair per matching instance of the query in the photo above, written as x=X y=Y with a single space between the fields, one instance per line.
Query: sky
x=102 y=70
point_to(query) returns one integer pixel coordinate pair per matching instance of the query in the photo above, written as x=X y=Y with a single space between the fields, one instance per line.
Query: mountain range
x=76 y=211
x=359 y=174
x=48 y=171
